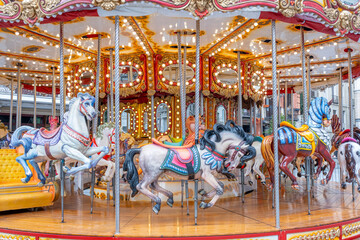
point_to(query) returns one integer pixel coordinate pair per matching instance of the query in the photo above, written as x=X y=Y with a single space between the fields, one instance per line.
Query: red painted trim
x=281 y=234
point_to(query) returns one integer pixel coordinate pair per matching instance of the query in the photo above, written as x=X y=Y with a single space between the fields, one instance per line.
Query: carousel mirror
x=145 y=121
x=128 y=74
x=171 y=73
x=227 y=76
x=221 y=114
x=86 y=79
x=127 y=121
x=256 y=81
x=190 y=110
x=162 y=115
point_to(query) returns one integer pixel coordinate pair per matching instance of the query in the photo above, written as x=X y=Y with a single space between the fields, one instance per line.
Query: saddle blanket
x=177 y=159
x=41 y=140
x=303 y=144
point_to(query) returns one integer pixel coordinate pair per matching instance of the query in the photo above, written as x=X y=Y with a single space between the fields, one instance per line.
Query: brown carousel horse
x=340 y=135
x=301 y=142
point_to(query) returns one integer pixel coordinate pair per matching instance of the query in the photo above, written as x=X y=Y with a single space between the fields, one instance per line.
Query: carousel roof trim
x=337 y=15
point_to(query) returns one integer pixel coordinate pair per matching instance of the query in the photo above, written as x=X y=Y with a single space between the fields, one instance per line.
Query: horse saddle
x=183 y=153
x=43 y=136
x=156 y=142
x=303 y=131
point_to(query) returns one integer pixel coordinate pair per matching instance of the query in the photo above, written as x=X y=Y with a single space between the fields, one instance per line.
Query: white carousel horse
x=71 y=139
x=193 y=161
x=349 y=160
x=104 y=137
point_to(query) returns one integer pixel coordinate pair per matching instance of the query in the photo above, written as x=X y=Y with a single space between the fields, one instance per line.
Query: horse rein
x=237 y=150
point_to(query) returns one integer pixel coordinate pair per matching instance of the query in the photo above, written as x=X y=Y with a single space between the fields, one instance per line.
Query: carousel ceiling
x=37 y=47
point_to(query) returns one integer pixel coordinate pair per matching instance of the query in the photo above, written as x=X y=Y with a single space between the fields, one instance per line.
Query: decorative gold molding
x=350 y=230
x=328 y=233
x=107 y=5
x=289 y=8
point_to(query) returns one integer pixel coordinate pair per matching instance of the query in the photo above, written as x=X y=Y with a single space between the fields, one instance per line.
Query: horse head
x=319 y=113
x=87 y=105
x=231 y=139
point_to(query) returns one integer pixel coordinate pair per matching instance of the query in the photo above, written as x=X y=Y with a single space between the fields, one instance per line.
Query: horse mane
x=99 y=132
x=72 y=101
x=335 y=124
x=229 y=126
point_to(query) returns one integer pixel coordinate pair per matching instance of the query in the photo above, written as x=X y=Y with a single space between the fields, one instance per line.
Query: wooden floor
x=227 y=217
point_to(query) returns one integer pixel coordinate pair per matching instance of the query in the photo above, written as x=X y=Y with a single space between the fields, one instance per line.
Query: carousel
x=182 y=119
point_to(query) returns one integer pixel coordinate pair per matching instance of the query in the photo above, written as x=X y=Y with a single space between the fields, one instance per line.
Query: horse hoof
x=299 y=174
x=343 y=185
x=156 y=208
x=263 y=182
x=295 y=186
x=72 y=177
x=40 y=184
x=203 y=205
x=66 y=169
x=24 y=180
x=202 y=192
x=257 y=176
x=170 y=202
x=323 y=181
x=270 y=187
x=251 y=183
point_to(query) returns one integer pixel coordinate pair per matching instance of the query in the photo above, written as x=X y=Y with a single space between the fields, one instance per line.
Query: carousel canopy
x=29 y=38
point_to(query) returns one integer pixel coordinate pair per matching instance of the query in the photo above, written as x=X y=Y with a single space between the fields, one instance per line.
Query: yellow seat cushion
x=17 y=195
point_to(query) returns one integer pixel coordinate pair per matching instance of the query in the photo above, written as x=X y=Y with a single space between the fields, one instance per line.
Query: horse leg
x=22 y=160
x=286 y=159
x=39 y=173
x=249 y=166
x=212 y=192
x=342 y=163
x=210 y=179
x=258 y=161
x=319 y=165
x=155 y=186
x=331 y=162
x=298 y=163
x=76 y=155
x=142 y=187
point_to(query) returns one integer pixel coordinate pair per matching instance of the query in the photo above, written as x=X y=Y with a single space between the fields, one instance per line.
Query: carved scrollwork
x=48 y=5
x=107 y=5
x=30 y=10
x=10 y=9
x=332 y=14
x=290 y=7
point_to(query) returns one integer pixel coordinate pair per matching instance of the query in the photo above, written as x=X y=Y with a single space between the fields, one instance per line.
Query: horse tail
x=16 y=139
x=267 y=152
x=132 y=175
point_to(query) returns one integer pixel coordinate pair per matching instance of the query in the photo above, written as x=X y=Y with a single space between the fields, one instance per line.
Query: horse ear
x=330 y=102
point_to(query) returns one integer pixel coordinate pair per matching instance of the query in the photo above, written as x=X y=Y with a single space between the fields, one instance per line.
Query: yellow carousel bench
x=16 y=195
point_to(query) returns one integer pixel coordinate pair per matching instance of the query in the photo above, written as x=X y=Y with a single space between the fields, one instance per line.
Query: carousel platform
x=333 y=216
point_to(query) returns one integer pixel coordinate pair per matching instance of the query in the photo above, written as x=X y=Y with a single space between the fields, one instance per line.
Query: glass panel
x=87 y=79
x=126 y=121
x=128 y=74
x=190 y=111
x=146 y=124
x=171 y=73
x=221 y=114
x=162 y=114
x=227 y=76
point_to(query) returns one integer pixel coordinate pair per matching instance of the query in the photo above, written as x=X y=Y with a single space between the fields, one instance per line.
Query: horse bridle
x=83 y=109
x=237 y=150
